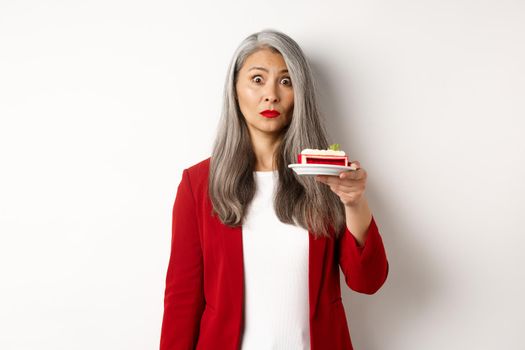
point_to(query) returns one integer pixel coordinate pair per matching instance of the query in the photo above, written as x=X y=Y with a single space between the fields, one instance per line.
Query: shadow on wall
x=385 y=317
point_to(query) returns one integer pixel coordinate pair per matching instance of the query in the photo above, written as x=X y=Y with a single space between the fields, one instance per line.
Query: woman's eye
x=289 y=81
x=256 y=78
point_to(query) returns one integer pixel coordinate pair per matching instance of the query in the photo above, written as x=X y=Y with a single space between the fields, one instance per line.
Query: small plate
x=320 y=169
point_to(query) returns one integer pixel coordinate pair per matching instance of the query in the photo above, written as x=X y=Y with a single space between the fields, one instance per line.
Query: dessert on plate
x=331 y=156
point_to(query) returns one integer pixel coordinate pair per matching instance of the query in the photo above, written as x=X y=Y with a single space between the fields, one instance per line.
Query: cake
x=332 y=156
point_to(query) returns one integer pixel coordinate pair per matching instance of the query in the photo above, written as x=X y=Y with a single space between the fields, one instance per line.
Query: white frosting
x=322 y=152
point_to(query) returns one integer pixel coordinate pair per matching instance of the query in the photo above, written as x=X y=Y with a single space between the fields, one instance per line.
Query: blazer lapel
x=233 y=255
x=315 y=269
x=233 y=245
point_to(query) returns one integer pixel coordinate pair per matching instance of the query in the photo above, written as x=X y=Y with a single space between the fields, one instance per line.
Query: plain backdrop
x=104 y=103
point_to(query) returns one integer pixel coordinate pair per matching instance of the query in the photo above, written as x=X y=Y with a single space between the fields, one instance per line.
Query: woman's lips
x=270 y=114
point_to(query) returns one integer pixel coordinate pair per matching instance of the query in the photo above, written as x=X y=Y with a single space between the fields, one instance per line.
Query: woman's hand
x=349 y=186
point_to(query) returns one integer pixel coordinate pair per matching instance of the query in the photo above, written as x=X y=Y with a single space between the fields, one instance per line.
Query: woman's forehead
x=265 y=60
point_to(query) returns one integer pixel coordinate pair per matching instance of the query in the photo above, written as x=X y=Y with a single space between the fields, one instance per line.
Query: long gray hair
x=299 y=200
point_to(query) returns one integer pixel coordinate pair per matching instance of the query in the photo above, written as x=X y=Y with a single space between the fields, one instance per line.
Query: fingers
x=341 y=187
x=352 y=175
x=356 y=163
x=344 y=178
x=347 y=180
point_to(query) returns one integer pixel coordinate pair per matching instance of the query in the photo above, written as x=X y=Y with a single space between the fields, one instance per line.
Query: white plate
x=320 y=169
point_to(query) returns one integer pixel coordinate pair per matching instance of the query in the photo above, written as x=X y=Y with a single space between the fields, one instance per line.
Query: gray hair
x=299 y=200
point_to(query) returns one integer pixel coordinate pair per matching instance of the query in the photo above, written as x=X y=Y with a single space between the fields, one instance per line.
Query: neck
x=264 y=148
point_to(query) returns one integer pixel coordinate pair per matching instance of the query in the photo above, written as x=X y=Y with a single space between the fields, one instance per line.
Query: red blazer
x=203 y=302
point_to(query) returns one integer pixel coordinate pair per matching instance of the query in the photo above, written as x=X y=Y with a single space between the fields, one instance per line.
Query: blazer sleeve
x=365 y=268
x=184 y=296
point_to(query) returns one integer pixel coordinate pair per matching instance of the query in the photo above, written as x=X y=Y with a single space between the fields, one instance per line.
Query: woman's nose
x=271 y=93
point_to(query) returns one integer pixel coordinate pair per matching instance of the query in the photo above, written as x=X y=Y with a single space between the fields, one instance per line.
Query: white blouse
x=275 y=256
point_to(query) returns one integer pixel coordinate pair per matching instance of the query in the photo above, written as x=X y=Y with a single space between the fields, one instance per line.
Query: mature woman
x=256 y=249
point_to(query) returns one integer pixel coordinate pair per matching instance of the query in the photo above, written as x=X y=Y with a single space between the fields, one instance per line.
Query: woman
x=256 y=249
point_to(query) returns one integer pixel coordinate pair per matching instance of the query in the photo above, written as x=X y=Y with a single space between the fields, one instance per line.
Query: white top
x=276 y=275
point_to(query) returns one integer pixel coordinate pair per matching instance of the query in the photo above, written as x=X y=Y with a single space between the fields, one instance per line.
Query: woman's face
x=263 y=83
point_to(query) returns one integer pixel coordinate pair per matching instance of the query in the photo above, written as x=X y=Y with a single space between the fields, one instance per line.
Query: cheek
x=290 y=110
x=250 y=95
x=247 y=102
x=247 y=98
x=290 y=99
x=242 y=94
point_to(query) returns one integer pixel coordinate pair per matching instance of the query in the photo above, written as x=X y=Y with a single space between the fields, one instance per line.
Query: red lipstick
x=270 y=114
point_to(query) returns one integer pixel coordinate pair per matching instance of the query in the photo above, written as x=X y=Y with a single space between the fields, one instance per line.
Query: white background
x=104 y=103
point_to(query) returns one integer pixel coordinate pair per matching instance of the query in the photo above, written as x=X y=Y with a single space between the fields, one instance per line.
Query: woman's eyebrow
x=266 y=70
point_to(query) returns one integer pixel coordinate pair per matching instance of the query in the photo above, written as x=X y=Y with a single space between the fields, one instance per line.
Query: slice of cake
x=333 y=156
